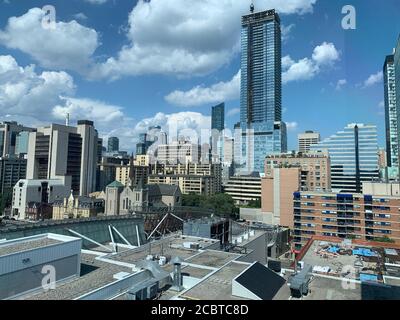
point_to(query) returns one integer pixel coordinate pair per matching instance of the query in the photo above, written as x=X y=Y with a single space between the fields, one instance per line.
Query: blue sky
x=128 y=64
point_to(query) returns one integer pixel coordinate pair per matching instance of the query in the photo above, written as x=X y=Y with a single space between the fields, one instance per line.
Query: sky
x=129 y=64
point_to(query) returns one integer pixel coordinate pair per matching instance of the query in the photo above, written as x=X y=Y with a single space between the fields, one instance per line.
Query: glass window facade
x=354 y=157
x=218 y=117
x=391 y=113
x=260 y=91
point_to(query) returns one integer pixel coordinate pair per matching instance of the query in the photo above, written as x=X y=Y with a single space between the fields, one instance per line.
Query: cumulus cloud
x=70 y=46
x=185 y=37
x=201 y=95
x=286 y=31
x=179 y=37
x=324 y=55
x=373 y=79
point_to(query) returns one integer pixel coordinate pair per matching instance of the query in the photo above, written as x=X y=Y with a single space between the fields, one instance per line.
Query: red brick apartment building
x=351 y=216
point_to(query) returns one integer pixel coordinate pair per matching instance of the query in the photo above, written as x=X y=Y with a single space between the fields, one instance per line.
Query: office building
x=391 y=113
x=354 y=157
x=38 y=192
x=276 y=195
x=244 y=189
x=66 y=153
x=8 y=137
x=351 y=216
x=307 y=139
x=396 y=63
x=12 y=169
x=113 y=144
x=107 y=170
x=154 y=136
x=218 y=117
x=179 y=152
x=201 y=179
x=315 y=168
x=21 y=143
x=263 y=131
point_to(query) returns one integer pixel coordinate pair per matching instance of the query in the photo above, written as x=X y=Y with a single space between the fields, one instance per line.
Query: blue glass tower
x=263 y=132
x=354 y=157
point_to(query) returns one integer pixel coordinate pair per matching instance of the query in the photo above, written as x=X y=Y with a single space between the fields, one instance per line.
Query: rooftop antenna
x=252 y=7
x=67 y=120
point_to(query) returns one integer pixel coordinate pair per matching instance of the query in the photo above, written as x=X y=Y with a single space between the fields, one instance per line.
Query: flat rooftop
x=94 y=275
x=213 y=259
x=335 y=258
x=218 y=286
x=172 y=246
x=26 y=245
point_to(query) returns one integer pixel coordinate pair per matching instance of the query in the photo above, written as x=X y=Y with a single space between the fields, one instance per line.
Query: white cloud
x=233 y=112
x=38 y=99
x=323 y=56
x=292 y=126
x=69 y=46
x=340 y=84
x=373 y=79
x=179 y=37
x=200 y=95
x=325 y=53
x=185 y=37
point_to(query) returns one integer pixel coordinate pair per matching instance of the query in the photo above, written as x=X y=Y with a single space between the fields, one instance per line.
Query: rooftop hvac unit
x=239 y=240
x=246 y=236
x=252 y=233
x=145 y=291
x=299 y=283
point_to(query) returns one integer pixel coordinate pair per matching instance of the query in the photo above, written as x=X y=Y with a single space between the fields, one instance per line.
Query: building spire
x=252 y=7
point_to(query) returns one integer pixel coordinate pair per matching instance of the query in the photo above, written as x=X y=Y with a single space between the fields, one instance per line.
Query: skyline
x=324 y=69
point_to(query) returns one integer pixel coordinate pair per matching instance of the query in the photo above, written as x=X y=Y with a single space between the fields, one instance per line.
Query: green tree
x=220 y=203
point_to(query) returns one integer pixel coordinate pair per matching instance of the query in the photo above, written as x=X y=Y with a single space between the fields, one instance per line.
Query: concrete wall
x=381 y=189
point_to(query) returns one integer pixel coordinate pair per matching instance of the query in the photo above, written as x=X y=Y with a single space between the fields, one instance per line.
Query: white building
x=37 y=191
x=178 y=152
x=307 y=139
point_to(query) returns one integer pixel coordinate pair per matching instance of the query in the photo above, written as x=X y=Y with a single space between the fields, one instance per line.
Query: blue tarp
x=333 y=249
x=363 y=252
x=368 y=277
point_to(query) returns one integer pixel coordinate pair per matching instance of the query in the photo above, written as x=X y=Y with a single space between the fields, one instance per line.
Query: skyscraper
x=218 y=117
x=354 y=157
x=391 y=113
x=397 y=78
x=264 y=132
x=113 y=144
x=307 y=139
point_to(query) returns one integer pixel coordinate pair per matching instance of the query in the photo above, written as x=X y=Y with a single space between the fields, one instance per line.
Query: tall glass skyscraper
x=263 y=132
x=354 y=157
x=113 y=144
x=218 y=117
x=396 y=63
x=391 y=113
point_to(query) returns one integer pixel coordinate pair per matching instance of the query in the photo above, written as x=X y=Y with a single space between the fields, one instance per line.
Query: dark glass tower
x=218 y=117
x=113 y=144
x=264 y=132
